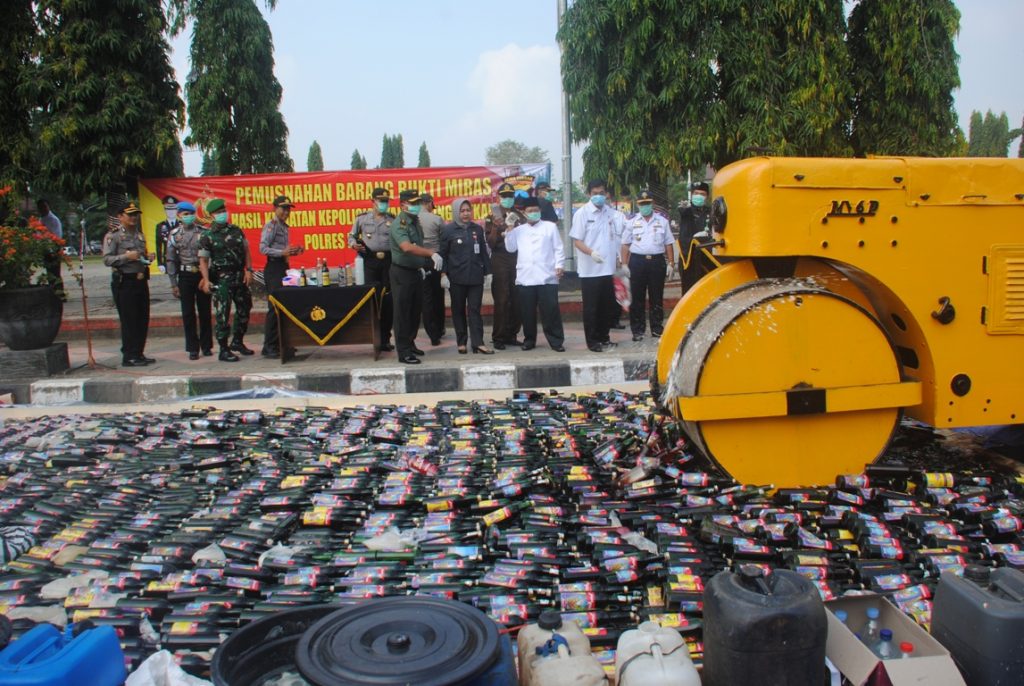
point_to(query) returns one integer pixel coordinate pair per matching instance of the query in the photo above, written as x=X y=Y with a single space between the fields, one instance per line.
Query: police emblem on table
x=317 y=314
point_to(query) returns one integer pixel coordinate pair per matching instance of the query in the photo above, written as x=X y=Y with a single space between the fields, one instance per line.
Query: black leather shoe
x=228 y=356
x=193 y=356
x=656 y=334
x=435 y=342
x=637 y=337
x=515 y=341
x=239 y=347
x=409 y=359
x=595 y=348
x=529 y=346
x=498 y=345
x=608 y=345
x=147 y=360
x=270 y=352
x=618 y=325
x=208 y=352
x=133 y=363
x=386 y=347
x=417 y=351
x=558 y=348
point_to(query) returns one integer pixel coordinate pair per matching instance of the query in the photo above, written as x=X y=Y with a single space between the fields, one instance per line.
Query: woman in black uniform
x=467 y=261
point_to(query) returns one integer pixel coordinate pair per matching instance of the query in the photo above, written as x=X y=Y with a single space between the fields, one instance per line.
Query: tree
x=210 y=164
x=315 y=158
x=904 y=74
x=424 y=156
x=17 y=33
x=990 y=136
x=1020 y=148
x=974 y=134
x=399 y=152
x=358 y=161
x=392 y=155
x=233 y=95
x=509 y=151
x=109 y=105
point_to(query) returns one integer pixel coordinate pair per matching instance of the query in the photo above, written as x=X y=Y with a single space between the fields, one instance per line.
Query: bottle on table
x=870 y=633
x=884 y=648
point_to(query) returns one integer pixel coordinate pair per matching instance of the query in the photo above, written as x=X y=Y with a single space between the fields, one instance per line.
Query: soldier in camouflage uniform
x=226 y=266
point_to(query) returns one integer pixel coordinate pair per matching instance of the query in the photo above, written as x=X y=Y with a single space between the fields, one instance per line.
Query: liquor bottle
x=325 y=273
x=302 y=278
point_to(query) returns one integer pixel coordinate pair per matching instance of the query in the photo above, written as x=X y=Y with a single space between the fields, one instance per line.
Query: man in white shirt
x=52 y=262
x=647 y=250
x=539 y=266
x=596 y=233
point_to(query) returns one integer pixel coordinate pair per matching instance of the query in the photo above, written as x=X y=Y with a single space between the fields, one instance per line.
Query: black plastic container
x=759 y=629
x=980 y=620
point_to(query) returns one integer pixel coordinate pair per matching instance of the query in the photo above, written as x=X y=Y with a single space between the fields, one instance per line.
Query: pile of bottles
x=320 y=275
x=196 y=523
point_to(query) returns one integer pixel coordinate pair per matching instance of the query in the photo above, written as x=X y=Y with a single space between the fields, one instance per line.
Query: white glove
x=624 y=270
x=670 y=272
x=438 y=261
x=596 y=257
x=445 y=283
x=487 y=282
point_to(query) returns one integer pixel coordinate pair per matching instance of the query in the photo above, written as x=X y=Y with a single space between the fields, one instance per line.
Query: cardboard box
x=931 y=666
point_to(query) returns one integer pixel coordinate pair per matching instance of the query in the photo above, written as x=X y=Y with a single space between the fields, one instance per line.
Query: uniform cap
x=215 y=205
x=644 y=197
x=701 y=186
x=132 y=208
x=543 y=185
x=409 y=195
x=185 y=206
x=380 y=194
x=506 y=189
x=283 y=201
x=170 y=202
x=531 y=202
x=426 y=197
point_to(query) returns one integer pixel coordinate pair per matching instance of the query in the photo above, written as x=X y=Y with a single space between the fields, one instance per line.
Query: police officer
x=433 y=294
x=693 y=220
x=164 y=229
x=274 y=244
x=226 y=266
x=409 y=261
x=647 y=252
x=124 y=251
x=504 y=216
x=183 y=271
x=371 y=238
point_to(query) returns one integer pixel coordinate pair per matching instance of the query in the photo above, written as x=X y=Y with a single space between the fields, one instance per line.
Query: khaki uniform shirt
x=183 y=250
x=374 y=230
x=116 y=243
x=431 y=225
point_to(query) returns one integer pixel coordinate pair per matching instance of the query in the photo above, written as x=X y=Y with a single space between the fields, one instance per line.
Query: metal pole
x=570 y=253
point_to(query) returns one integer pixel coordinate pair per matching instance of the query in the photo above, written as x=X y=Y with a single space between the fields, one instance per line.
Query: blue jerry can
x=46 y=657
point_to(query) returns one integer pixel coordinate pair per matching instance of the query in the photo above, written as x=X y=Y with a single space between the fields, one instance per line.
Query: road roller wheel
x=785 y=382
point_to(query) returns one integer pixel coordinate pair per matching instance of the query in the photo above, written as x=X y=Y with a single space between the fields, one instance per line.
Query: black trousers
x=467 y=297
x=599 y=308
x=131 y=295
x=407 y=291
x=273 y=273
x=433 y=305
x=506 y=323
x=52 y=263
x=195 y=307
x=646 y=278
x=378 y=273
x=545 y=299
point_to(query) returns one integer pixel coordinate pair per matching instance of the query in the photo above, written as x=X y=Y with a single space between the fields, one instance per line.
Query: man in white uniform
x=596 y=233
x=539 y=266
x=647 y=250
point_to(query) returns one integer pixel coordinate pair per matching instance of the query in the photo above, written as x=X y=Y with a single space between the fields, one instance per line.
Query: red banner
x=327 y=203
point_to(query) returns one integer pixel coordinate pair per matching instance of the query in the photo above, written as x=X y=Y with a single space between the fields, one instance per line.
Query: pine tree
x=424 y=156
x=1020 y=148
x=210 y=165
x=399 y=152
x=358 y=161
x=904 y=74
x=110 y=110
x=233 y=95
x=974 y=134
x=385 y=153
x=17 y=33
x=315 y=158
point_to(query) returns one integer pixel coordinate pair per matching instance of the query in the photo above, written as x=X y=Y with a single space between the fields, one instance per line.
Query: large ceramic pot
x=29 y=317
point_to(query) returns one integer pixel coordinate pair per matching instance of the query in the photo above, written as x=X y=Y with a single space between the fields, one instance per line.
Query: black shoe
x=618 y=325
x=270 y=352
x=529 y=346
x=558 y=348
x=498 y=345
x=409 y=359
x=435 y=342
x=133 y=363
x=147 y=360
x=596 y=348
x=228 y=356
x=240 y=348
x=386 y=347
x=417 y=351
x=637 y=337
x=608 y=345
x=515 y=341
x=656 y=334
x=193 y=356
x=207 y=352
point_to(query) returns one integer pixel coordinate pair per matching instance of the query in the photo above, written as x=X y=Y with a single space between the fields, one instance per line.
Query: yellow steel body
x=870 y=249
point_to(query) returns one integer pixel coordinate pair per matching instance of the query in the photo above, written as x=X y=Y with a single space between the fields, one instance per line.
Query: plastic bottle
x=841 y=615
x=651 y=655
x=360 y=275
x=884 y=647
x=560 y=668
x=534 y=636
x=906 y=650
x=870 y=633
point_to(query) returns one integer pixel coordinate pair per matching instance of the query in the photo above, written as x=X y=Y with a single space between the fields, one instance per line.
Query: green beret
x=215 y=205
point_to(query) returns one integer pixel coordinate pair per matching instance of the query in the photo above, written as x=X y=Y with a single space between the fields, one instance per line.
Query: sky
x=462 y=75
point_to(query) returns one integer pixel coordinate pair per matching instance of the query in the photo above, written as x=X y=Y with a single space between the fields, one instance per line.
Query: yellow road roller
x=849 y=292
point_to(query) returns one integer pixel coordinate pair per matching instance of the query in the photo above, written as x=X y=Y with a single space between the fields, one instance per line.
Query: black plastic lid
x=400 y=640
x=977 y=573
x=550 y=620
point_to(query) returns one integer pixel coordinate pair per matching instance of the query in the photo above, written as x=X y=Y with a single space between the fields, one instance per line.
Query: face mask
x=646 y=210
x=382 y=207
x=221 y=217
x=507 y=203
x=533 y=217
x=413 y=210
x=187 y=219
x=698 y=200
x=598 y=200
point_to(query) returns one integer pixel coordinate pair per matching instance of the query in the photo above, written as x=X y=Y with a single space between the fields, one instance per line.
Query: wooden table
x=326 y=315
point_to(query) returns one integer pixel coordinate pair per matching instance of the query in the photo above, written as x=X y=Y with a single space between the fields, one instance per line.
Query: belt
x=649 y=257
x=192 y=269
x=277 y=259
x=141 y=276
x=378 y=254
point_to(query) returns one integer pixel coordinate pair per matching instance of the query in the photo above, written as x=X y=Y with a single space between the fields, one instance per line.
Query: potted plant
x=30 y=312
